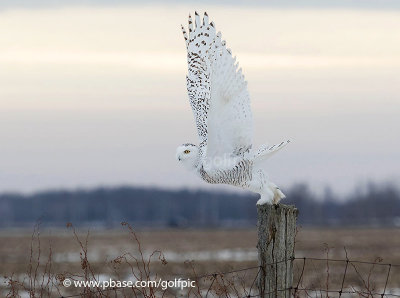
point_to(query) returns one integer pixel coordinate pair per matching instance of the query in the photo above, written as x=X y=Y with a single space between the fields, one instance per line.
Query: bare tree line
x=373 y=205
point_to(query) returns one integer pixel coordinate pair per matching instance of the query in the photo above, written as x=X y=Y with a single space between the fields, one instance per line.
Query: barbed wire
x=294 y=289
x=347 y=261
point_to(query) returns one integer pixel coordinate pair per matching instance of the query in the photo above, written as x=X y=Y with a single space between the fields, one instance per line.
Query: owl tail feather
x=265 y=152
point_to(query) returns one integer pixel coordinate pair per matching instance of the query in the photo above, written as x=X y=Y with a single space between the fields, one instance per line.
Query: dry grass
x=36 y=264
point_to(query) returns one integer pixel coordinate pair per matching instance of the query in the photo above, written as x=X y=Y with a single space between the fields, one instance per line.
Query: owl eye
x=186 y=151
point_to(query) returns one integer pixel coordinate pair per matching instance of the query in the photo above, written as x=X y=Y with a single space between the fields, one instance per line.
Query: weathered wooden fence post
x=276 y=237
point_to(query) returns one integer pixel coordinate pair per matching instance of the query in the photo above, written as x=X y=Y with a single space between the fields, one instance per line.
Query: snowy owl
x=221 y=106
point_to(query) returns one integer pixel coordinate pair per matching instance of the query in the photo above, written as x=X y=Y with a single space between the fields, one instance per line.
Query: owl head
x=187 y=155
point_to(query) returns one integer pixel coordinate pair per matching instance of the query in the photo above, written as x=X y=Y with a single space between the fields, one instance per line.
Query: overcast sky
x=95 y=95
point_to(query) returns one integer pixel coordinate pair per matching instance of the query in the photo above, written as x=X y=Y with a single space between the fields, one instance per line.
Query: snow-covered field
x=189 y=252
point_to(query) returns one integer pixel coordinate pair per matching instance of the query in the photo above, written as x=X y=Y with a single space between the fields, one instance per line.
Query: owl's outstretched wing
x=217 y=92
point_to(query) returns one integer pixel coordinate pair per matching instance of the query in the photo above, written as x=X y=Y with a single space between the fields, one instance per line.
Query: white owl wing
x=217 y=93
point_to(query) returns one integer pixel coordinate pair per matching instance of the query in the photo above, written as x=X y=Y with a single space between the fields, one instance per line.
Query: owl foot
x=266 y=197
x=278 y=194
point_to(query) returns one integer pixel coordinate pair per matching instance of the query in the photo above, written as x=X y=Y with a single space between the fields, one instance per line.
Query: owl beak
x=179 y=158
